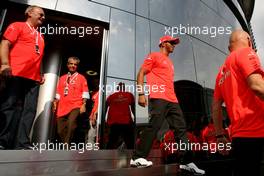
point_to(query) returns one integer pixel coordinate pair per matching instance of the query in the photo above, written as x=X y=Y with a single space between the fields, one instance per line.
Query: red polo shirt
x=23 y=58
x=245 y=109
x=119 y=108
x=160 y=76
x=95 y=99
x=77 y=91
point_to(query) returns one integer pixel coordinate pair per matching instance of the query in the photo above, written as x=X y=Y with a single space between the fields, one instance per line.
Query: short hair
x=74 y=58
x=121 y=86
x=30 y=8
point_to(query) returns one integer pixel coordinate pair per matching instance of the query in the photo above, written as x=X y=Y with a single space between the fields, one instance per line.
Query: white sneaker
x=191 y=167
x=140 y=162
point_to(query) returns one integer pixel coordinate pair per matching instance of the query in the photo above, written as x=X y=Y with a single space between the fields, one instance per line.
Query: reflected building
x=119 y=36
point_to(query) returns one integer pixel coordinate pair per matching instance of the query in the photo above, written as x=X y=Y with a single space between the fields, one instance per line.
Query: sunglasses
x=172 y=42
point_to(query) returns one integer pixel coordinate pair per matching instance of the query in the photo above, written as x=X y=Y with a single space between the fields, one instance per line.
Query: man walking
x=70 y=101
x=163 y=104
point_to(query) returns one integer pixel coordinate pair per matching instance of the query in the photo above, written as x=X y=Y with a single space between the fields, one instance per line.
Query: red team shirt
x=208 y=134
x=160 y=76
x=245 y=109
x=119 y=108
x=77 y=90
x=95 y=99
x=23 y=58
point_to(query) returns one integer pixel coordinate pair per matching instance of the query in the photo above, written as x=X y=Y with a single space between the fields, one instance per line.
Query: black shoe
x=2 y=147
x=29 y=147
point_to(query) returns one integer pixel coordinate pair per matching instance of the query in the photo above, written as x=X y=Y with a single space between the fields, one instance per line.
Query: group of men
x=239 y=84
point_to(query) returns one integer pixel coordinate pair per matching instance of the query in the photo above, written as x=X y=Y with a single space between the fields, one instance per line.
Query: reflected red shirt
x=119 y=108
x=95 y=99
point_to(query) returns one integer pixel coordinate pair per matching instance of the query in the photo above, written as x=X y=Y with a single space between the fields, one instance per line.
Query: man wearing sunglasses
x=163 y=104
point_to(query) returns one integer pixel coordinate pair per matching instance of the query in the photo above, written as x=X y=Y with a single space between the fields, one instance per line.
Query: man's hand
x=54 y=105
x=93 y=118
x=83 y=108
x=223 y=141
x=142 y=101
x=5 y=71
x=42 y=80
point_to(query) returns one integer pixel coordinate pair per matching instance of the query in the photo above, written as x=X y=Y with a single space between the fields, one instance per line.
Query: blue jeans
x=17 y=111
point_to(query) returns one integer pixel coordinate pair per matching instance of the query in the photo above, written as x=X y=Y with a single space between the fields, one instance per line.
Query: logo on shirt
x=149 y=58
x=251 y=55
x=224 y=74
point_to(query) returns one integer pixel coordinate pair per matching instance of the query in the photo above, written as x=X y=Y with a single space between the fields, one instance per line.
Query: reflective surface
x=94 y=163
x=49 y=4
x=128 y=5
x=142 y=40
x=142 y=8
x=171 y=12
x=227 y=14
x=112 y=83
x=212 y=4
x=121 y=57
x=208 y=62
x=84 y=8
x=184 y=63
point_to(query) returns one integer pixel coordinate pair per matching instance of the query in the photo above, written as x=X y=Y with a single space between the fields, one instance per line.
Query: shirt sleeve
x=60 y=88
x=85 y=93
x=248 y=62
x=148 y=63
x=217 y=90
x=12 y=32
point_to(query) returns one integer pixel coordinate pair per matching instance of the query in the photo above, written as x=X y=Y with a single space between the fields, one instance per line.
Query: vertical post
x=43 y=125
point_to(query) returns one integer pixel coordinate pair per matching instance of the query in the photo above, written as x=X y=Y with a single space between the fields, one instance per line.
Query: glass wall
x=49 y=4
x=121 y=57
x=120 y=4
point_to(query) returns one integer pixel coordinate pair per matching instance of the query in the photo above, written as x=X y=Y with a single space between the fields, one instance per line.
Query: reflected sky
x=258 y=27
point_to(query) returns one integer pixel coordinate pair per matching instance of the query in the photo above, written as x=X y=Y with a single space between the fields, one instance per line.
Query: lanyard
x=69 y=80
x=36 y=38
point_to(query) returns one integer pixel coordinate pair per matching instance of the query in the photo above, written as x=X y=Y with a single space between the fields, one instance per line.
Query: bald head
x=239 y=39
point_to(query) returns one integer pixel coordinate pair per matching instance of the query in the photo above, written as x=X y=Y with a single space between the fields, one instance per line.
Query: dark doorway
x=191 y=99
x=83 y=38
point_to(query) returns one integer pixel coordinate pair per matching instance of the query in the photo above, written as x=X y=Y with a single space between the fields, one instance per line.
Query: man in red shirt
x=70 y=101
x=240 y=85
x=121 y=104
x=21 y=54
x=91 y=135
x=163 y=104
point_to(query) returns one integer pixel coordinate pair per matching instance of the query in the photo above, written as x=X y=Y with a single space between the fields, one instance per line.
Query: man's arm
x=132 y=104
x=256 y=84
x=4 y=55
x=140 y=87
x=217 y=116
x=218 y=123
